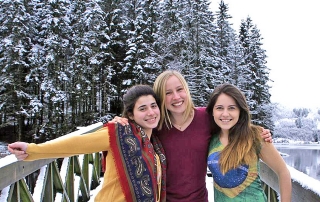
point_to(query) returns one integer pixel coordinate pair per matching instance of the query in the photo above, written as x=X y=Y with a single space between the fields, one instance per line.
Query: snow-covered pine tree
x=230 y=52
x=256 y=74
x=140 y=18
x=15 y=47
x=54 y=41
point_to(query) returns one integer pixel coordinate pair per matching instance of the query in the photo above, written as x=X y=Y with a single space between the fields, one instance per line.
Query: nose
x=225 y=112
x=150 y=111
x=176 y=95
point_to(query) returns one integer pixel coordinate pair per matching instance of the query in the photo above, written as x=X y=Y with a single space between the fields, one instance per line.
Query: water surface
x=305 y=158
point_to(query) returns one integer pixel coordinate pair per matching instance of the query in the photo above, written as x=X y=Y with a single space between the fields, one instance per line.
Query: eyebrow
x=146 y=105
x=227 y=106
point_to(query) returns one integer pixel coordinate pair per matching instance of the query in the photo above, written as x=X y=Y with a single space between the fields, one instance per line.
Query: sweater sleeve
x=70 y=145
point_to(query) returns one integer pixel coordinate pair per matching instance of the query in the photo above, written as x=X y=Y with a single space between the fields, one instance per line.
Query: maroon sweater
x=186 y=153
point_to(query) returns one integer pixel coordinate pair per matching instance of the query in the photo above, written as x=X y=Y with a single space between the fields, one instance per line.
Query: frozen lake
x=305 y=158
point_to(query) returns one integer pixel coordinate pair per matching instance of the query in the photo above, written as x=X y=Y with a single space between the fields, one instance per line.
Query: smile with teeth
x=151 y=119
x=177 y=104
x=225 y=120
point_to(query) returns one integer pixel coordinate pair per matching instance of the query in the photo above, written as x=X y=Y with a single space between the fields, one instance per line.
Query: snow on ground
x=94 y=192
x=209 y=181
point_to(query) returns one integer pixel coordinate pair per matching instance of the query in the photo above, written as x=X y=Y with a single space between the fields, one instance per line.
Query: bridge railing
x=67 y=179
x=304 y=188
x=72 y=178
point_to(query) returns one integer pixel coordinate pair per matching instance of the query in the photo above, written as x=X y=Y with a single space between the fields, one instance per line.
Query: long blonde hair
x=159 y=88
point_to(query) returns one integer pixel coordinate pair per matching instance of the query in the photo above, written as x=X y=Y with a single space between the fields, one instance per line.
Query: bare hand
x=18 y=149
x=266 y=135
x=120 y=120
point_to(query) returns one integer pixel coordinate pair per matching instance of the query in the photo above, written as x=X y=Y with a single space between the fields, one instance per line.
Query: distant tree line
x=67 y=63
x=298 y=124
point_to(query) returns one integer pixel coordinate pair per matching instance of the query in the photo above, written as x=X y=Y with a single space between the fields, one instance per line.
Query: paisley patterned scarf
x=135 y=161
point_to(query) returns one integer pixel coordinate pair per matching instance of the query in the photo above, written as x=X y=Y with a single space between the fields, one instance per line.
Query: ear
x=131 y=117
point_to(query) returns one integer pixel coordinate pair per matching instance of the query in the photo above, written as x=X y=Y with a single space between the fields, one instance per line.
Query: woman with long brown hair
x=236 y=148
x=135 y=164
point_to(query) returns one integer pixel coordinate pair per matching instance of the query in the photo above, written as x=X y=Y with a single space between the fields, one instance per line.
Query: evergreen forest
x=68 y=63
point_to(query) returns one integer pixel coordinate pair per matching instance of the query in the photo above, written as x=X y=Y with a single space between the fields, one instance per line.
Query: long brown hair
x=244 y=137
x=159 y=88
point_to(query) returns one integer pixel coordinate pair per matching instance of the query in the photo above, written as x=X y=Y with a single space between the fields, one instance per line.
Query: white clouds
x=291 y=38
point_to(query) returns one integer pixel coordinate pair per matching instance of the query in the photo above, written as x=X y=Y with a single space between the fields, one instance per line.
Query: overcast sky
x=291 y=36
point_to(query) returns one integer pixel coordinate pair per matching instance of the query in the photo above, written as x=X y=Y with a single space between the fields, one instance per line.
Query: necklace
x=179 y=127
x=183 y=124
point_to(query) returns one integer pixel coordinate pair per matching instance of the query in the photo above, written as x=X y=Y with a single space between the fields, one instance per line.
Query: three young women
x=185 y=132
x=135 y=164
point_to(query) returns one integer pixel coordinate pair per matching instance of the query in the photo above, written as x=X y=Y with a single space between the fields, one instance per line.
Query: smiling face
x=146 y=113
x=176 y=97
x=225 y=112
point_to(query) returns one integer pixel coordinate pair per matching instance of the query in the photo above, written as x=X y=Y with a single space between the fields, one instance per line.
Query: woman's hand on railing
x=18 y=149
x=120 y=120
